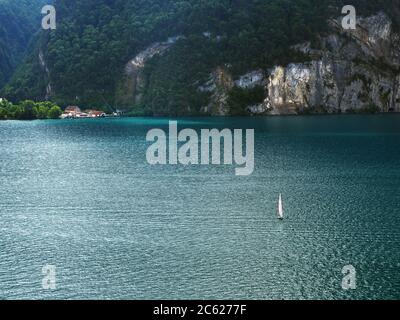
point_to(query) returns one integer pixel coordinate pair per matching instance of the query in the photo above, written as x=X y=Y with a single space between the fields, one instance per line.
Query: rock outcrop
x=219 y=85
x=350 y=71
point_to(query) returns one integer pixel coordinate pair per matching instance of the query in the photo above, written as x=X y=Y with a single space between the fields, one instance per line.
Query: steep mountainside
x=351 y=71
x=218 y=57
x=348 y=71
x=19 y=20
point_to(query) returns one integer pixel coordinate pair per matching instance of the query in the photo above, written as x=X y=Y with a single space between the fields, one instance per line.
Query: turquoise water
x=80 y=195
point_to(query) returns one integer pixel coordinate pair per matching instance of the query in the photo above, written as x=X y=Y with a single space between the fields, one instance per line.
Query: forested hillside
x=84 y=61
x=19 y=21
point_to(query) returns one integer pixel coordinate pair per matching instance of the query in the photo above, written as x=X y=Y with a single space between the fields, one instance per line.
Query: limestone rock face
x=219 y=85
x=350 y=71
x=251 y=80
x=356 y=70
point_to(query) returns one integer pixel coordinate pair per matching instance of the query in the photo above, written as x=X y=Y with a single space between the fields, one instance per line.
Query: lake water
x=80 y=195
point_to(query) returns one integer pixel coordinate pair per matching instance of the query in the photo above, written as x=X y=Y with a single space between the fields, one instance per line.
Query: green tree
x=3 y=113
x=28 y=112
x=54 y=112
x=41 y=111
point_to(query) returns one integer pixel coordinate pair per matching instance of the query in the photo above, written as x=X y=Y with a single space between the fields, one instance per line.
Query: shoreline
x=215 y=117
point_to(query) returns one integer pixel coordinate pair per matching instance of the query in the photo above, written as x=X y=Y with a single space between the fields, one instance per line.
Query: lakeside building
x=96 y=113
x=73 y=112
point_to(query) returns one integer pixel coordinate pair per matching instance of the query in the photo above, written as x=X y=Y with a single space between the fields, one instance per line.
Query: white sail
x=280 y=207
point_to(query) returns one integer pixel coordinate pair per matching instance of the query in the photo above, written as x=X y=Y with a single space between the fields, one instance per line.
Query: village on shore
x=74 y=112
x=31 y=110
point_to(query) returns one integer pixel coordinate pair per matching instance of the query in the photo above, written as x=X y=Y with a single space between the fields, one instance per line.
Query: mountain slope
x=19 y=20
x=186 y=57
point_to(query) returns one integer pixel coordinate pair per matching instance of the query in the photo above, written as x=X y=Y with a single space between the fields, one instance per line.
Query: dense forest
x=85 y=57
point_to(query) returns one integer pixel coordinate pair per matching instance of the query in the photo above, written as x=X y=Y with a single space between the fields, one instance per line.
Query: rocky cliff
x=350 y=71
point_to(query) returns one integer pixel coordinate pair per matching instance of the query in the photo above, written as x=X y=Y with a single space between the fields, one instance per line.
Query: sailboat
x=280 y=208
